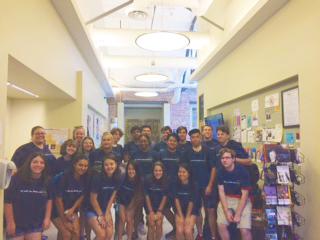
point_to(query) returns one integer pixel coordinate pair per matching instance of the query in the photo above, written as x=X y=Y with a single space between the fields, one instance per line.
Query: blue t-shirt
x=126 y=192
x=171 y=162
x=118 y=151
x=70 y=190
x=97 y=157
x=62 y=165
x=145 y=161
x=104 y=187
x=186 y=193
x=29 y=200
x=130 y=148
x=24 y=151
x=156 y=190
x=211 y=144
x=201 y=164
x=234 y=181
x=160 y=146
x=235 y=146
x=184 y=147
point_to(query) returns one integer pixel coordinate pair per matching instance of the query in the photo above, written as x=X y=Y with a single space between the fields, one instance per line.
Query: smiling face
x=110 y=166
x=38 y=136
x=207 y=133
x=183 y=174
x=107 y=141
x=81 y=167
x=37 y=165
x=136 y=134
x=87 y=145
x=131 y=171
x=223 y=137
x=71 y=150
x=146 y=131
x=182 y=135
x=157 y=172
x=144 y=143
x=79 y=134
x=172 y=143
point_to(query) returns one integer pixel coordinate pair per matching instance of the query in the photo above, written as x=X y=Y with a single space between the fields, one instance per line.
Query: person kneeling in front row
x=235 y=205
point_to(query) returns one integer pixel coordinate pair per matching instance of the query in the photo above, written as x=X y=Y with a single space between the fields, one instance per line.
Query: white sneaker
x=141 y=229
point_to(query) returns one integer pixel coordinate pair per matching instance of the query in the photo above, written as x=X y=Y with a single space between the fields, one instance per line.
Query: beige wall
x=286 y=45
x=33 y=33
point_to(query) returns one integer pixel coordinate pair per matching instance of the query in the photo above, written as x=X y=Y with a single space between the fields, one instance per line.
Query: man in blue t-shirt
x=224 y=140
x=235 y=205
x=207 y=137
x=203 y=167
x=131 y=147
x=165 y=132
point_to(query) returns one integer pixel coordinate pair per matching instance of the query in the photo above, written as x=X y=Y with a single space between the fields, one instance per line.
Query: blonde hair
x=105 y=134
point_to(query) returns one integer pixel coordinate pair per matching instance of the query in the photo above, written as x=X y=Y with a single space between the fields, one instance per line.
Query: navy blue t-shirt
x=104 y=187
x=184 y=147
x=118 y=151
x=24 y=151
x=171 y=162
x=130 y=148
x=29 y=200
x=97 y=157
x=62 y=165
x=234 y=181
x=186 y=193
x=201 y=164
x=235 y=146
x=211 y=144
x=160 y=146
x=126 y=192
x=145 y=161
x=156 y=190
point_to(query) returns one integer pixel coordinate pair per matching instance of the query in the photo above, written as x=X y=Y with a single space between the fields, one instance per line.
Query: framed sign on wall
x=290 y=108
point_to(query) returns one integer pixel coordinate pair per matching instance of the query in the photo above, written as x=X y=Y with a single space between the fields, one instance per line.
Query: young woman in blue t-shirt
x=103 y=191
x=186 y=203
x=64 y=163
x=156 y=195
x=69 y=196
x=28 y=200
x=130 y=197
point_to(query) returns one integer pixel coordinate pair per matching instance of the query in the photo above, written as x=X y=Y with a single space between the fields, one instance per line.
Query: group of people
x=174 y=179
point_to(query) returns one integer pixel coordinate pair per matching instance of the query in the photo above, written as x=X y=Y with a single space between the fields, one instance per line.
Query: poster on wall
x=55 y=138
x=95 y=125
x=290 y=108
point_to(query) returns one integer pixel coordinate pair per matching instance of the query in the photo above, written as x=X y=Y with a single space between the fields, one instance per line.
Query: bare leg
x=224 y=233
x=212 y=221
x=98 y=230
x=189 y=226
x=179 y=228
x=159 y=228
x=245 y=234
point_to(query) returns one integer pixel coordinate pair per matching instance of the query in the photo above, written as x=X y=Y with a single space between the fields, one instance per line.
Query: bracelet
x=99 y=218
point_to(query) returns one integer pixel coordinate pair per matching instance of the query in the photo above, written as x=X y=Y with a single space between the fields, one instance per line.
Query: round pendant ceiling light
x=162 y=41
x=151 y=77
x=146 y=94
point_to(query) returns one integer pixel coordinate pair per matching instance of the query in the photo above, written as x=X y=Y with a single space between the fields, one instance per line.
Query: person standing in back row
x=132 y=146
x=203 y=169
x=165 y=132
x=37 y=145
x=207 y=138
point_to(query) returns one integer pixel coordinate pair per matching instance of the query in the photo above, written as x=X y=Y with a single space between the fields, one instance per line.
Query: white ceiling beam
x=111 y=62
x=163 y=89
x=127 y=38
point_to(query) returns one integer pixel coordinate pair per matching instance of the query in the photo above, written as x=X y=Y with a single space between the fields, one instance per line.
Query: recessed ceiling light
x=146 y=94
x=138 y=15
x=162 y=41
x=152 y=77
x=22 y=89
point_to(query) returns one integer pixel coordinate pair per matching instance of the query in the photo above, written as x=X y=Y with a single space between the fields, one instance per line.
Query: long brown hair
x=25 y=172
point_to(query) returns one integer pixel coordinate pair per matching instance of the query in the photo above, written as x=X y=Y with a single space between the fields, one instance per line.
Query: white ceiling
x=113 y=35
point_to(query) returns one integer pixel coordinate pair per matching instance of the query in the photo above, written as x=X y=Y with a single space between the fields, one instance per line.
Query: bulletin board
x=257 y=118
x=55 y=137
